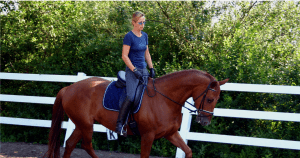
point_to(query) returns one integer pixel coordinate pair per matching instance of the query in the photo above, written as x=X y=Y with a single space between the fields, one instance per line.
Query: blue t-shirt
x=138 y=46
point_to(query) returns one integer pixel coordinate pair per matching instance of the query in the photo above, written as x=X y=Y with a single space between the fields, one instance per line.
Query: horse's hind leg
x=71 y=142
x=86 y=144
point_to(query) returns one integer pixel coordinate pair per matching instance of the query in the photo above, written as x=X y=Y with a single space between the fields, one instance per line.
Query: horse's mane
x=184 y=73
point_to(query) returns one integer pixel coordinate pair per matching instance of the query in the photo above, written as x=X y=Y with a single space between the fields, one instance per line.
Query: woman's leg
x=131 y=85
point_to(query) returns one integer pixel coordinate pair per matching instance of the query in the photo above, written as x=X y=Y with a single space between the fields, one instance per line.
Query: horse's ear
x=224 y=81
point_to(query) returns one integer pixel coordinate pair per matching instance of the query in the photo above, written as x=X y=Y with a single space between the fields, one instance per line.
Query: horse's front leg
x=178 y=142
x=146 y=144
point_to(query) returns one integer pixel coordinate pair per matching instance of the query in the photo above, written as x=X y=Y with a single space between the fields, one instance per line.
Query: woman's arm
x=125 y=57
x=148 y=58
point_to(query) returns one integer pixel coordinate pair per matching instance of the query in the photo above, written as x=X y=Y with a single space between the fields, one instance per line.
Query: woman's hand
x=152 y=73
x=138 y=75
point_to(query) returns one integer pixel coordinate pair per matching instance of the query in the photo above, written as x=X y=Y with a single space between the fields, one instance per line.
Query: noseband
x=199 y=110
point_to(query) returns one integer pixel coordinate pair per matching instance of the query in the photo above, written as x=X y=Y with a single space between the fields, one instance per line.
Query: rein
x=191 y=111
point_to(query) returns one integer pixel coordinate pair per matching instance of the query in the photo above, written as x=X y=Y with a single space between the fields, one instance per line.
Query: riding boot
x=123 y=113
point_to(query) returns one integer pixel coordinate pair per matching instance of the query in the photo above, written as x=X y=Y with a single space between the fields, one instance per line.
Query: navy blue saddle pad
x=114 y=97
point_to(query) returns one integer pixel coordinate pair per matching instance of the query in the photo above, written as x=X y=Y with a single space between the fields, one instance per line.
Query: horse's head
x=206 y=99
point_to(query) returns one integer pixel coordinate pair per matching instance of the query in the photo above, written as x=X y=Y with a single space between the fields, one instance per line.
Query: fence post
x=184 y=128
x=71 y=125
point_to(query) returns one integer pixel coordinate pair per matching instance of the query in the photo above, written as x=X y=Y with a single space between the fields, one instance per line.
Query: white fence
x=187 y=117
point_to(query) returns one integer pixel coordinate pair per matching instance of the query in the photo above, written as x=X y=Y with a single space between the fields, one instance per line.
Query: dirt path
x=28 y=150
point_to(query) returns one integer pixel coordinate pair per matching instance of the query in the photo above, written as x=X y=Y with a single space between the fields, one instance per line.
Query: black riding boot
x=122 y=116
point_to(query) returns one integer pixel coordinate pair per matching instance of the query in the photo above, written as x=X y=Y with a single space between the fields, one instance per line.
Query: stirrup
x=123 y=132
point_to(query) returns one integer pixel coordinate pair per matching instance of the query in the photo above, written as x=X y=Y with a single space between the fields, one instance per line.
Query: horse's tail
x=54 y=135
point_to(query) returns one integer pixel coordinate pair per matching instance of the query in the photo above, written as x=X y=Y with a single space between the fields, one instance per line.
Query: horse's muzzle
x=202 y=119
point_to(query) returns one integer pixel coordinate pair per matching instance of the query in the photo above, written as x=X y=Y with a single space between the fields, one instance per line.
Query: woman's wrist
x=134 y=69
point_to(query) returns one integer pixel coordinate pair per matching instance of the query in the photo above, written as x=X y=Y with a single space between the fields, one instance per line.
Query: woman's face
x=139 y=25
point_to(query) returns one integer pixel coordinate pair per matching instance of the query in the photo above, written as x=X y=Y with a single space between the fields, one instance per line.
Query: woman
x=135 y=54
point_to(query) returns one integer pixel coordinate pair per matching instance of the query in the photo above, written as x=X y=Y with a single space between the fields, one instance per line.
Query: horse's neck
x=179 y=88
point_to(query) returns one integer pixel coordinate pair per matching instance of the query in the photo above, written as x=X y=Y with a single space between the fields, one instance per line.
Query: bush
x=253 y=42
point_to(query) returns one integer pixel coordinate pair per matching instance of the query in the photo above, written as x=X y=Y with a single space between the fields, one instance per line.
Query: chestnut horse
x=159 y=115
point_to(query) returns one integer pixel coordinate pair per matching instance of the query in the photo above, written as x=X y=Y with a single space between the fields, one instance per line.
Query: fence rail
x=186 y=119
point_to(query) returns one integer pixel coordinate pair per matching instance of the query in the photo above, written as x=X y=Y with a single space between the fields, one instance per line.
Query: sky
x=15 y=6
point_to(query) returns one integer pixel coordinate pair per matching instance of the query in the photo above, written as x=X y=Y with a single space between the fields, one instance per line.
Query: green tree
x=253 y=42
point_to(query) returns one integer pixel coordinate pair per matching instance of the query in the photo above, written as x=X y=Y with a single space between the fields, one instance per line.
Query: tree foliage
x=253 y=42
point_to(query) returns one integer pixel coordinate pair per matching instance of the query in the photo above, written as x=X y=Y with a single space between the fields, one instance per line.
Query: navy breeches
x=132 y=82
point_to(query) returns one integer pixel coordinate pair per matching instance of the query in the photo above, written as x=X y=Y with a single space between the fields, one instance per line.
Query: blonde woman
x=135 y=54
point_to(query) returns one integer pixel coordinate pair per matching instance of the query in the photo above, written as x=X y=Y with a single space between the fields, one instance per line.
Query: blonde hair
x=137 y=15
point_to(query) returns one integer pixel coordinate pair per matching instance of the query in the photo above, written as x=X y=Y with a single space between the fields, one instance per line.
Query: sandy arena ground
x=28 y=150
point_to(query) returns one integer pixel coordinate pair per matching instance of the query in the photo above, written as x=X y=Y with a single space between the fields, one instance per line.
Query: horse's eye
x=210 y=100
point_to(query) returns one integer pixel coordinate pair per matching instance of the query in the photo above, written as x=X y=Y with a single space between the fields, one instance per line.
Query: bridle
x=199 y=110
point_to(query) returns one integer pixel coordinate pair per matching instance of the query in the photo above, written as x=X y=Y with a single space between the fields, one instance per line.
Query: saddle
x=121 y=83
